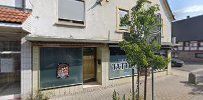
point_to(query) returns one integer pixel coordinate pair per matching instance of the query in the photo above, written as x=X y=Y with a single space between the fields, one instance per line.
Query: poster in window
x=63 y=70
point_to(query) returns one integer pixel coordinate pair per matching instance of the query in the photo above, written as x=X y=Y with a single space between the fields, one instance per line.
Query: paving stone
x=171 y=87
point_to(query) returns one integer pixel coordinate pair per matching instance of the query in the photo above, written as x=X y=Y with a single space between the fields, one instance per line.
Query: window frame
x=118 y=30
x=70 y=22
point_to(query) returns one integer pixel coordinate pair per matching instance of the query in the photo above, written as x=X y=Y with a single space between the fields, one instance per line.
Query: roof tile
x=13 y=15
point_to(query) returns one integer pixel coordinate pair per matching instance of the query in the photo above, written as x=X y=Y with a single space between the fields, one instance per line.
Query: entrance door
x=89 y=64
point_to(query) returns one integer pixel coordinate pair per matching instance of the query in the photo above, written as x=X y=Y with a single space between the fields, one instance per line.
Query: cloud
x=189 y=11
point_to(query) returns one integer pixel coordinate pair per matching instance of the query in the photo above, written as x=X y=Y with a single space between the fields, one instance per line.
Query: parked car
x=176 y=62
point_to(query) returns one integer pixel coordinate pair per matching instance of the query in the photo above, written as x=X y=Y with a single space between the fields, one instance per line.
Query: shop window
x=60 y=67
x=122 y=19
x=71 y=11
x=119 y=66
x=9 y=67
x=199 y=55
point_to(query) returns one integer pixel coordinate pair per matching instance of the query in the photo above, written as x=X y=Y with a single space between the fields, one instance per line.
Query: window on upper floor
x=180 y=44
x=20 y=3
x=13 y=3
x=122 y=18
x=193 y=43
x=71 y=12
x=201 y=44
x=157 y=30
x=186 y=44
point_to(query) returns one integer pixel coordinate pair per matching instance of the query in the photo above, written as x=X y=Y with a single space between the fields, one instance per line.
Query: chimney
x=188 y=17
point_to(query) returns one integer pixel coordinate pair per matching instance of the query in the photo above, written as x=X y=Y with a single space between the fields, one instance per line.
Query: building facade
x=189 y=39
x=70 y=43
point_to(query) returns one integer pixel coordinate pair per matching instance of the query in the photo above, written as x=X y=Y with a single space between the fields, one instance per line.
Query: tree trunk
x=145 y=85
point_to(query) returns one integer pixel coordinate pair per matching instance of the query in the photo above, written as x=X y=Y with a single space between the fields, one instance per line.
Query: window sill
x=64 y=23
x=122 y=31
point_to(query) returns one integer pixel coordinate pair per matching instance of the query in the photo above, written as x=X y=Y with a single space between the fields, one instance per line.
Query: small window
x=199 y=55
x=186 y=44
x=122 y=19
x=180 y=44
x=19 y=3
x=193 y=44
x=201 y=44
x=71 y=11
x=158 y=29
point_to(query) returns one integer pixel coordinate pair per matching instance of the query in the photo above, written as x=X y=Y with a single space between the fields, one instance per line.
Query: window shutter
x=73 y=10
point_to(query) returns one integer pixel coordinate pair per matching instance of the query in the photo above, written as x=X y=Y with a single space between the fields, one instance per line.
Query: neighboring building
x=11 y=33
x=65 y=44
x=189 y=37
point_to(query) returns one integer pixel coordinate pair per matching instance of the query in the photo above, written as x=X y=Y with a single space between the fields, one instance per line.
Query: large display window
x=9 y=67
x=60 y=67
x=119 y=66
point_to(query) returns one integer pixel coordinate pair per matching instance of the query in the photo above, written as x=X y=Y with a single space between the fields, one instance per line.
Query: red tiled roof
x=13 y=15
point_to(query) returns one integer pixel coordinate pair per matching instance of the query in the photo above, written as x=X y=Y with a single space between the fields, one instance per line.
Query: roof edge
x=169 y=9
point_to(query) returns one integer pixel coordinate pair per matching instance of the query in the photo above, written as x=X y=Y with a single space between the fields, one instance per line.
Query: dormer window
x=71 y=12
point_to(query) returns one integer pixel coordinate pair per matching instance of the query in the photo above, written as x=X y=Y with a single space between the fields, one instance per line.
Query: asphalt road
x=189 y=67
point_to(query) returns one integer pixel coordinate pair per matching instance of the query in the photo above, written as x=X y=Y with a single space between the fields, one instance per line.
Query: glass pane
x=60 y=67
x=119 y=66
x=19 y=3
x=9 y=67
x=124 y=16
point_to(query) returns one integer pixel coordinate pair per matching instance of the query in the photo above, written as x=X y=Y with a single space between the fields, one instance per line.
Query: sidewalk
x=171 y=87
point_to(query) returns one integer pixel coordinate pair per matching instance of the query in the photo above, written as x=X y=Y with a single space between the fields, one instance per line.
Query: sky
x=183 y=8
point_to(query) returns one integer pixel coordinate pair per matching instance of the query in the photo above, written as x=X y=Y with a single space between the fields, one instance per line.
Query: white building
x=68 y=43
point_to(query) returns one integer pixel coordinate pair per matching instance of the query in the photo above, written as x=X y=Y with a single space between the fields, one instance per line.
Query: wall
x=100 y=21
